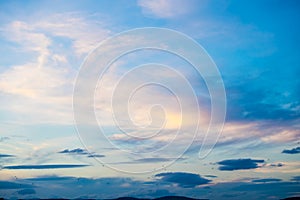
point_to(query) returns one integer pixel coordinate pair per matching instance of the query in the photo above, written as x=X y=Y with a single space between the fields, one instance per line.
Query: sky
x=149 y=98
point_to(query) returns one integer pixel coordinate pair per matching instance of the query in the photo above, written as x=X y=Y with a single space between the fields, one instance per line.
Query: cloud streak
x=54 y=166
x=265 y=180
x=79 y=151
x=74 y=151
x=6 y=156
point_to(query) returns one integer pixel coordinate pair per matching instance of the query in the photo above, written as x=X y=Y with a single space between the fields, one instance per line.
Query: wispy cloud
x=2 y=139
x=150 y=160
x=234 y=132
x=166 y=8
x=153 y=160
x=85 y=32
x=37 y=35
x=285 y=135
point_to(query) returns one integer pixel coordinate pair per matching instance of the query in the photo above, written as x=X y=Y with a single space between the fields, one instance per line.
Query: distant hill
x=292 y=198
x=160 y=198
x=175 y=198
x=132 y=198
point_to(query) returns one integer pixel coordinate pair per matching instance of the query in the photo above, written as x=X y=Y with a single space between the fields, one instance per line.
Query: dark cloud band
x=239 y=164
x=291 y=151
x=183 y=179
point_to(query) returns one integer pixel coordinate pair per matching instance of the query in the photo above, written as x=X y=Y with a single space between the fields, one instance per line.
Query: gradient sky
x=254 y=44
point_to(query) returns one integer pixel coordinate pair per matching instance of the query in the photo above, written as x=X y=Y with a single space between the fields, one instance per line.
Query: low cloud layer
x=7 y=185
x=296 y=178
x=52 y=186
x=26 y=191
x=183 y=179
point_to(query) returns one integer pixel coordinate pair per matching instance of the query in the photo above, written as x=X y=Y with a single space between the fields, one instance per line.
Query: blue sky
x=254 y=44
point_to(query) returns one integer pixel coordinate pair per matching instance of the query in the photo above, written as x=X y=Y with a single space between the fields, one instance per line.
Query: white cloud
x=242 y=131
x=37 y=95
x=165 y=8
x=40 y=90
x=287 y=135
x=85 y=33
x=23 y=34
